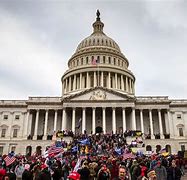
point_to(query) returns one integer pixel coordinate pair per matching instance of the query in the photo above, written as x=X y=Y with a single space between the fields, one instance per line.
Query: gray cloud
x=38 y=37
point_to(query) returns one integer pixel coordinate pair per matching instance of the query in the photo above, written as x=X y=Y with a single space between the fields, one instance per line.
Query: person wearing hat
x=74 y=176
x=151 y=175
x=160 y=171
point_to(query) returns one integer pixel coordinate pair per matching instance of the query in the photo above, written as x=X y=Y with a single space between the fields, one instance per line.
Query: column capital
x=113 y=108
x=93 y=108
x=103 y=108
x=73 y=108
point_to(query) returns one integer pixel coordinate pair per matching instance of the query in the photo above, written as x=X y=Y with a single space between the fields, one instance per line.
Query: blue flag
x=118 y=151
x=74 y=149
x=85 y=142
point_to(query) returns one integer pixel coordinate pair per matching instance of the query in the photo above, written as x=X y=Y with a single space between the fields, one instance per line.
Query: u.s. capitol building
x=98 y=94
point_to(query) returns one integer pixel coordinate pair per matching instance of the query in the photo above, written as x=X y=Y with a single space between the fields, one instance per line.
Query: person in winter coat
x=19 y=171
x=27 y=175
x=174 y=173
x=122 y=174
x=161 y=172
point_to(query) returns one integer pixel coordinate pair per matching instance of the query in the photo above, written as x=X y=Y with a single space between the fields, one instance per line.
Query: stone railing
x=12 y=102
x=161 y=98
x=44 y=99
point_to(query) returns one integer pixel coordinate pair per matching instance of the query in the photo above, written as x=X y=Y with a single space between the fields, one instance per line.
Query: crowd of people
x=93 y=157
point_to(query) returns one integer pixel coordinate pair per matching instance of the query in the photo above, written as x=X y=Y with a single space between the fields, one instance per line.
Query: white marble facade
x=99 y=89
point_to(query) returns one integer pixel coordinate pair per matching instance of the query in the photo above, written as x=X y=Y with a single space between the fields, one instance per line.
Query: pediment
x=99 y=94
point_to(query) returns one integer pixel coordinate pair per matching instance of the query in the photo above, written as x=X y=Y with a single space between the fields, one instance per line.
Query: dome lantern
x=98 y=25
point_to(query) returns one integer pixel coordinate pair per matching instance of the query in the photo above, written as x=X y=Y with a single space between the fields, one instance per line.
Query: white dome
x=98 y=39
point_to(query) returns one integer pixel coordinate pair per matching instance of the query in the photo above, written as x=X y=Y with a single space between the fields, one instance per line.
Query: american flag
x=9 y=160
x=54 y=150
x=95 y=61
x=128 y=156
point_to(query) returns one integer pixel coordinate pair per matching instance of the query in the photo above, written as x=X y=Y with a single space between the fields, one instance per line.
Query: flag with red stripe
x=9 y=160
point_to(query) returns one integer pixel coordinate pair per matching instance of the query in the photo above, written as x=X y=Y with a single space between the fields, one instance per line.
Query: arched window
x=38 y=150
x=148 y=148
x=158 y=148
x=114 y=61
x=86 y=60
x=109 y=60
x=28 y=150
x=168 y=148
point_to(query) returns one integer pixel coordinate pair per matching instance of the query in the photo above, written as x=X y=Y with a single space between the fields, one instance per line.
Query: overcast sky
x=38 y=37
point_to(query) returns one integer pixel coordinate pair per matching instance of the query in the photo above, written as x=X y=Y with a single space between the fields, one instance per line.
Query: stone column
x=133 y=119
x=151 y=124
x=87 y=80
x=171 y=130
x=127 y=84
x=70 y=83
x=124 y=120
x=93 y=120
x=130 y=85
x=74 y=82
x=66 y=84
x=55 y=120
x=73 y=120
x=116 y=80
x=80 y=82
x=141 y=121
x=114 y=120
x=160 y=124
x=36 y=125
x=95 y=79
x=122 y=83
x=26 y=124
x=104 y=121
x=83 y=119
x=45 y=125
x=102 y=79
x=63 y=119
x=109 y=81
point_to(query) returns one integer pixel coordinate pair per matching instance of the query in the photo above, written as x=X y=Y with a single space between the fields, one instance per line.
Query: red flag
x=9 y=160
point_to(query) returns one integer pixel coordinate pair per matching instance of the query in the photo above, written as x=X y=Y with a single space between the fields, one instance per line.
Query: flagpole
x=98 y=73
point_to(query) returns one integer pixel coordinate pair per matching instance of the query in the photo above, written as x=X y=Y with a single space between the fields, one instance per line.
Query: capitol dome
x=98 y=62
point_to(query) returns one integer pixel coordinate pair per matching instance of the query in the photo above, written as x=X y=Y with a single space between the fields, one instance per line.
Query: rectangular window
x=181 y=132
x=5 y=117
x=178 y=116
x=16 y=117
x=15 y=133
x=3 y=132
x=1 y=150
